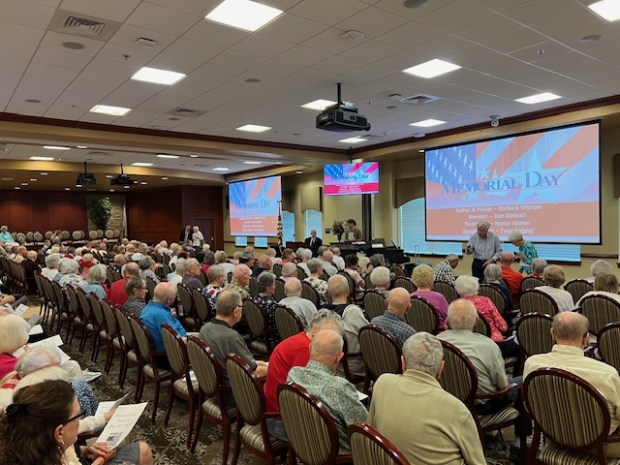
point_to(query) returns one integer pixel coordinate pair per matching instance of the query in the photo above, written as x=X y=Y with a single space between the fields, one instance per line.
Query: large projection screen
x=254 y=206
x=545 y=184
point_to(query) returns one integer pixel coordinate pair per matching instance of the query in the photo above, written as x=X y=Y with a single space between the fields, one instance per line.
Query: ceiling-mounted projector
x=85 y=178
x=122 y=179
x=342 y=117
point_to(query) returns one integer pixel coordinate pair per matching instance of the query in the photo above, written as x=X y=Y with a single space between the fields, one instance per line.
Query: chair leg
x=227 y=433
x=170 y=401
x=156 y=400
x=140 y=384
x=197 y=433
x=109 y=355
x=122 y=371
x=237 y=444
x=191 y=425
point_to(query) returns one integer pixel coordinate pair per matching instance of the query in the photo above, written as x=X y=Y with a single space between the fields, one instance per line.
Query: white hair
x=380 y=276
x=423 y=352
x=467 y=285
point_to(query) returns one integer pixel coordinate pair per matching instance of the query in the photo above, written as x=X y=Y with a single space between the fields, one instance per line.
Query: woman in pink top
x=13 y=335
x=467 y=287
x=423 y=277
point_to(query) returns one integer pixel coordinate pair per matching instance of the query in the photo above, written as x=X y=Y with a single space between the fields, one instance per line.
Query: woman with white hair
x=197 y=237
x=51 y=266
x=95 y=279
x=68 y=273
x=13 y=335
x=599 y=266
x=381 y=279
x=527 y=251
x=316 y=270
x=467 y=287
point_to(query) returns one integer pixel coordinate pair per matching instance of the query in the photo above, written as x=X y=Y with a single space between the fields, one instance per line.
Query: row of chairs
x=13 y=276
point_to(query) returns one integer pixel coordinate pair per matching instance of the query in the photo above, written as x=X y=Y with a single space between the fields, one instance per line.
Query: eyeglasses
x=80 y=415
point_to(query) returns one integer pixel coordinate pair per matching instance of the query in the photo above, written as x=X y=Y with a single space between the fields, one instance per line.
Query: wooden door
x=207 y=227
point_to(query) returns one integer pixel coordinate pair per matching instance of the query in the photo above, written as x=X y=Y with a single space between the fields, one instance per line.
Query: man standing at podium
x=313 y=243
x=352 y=234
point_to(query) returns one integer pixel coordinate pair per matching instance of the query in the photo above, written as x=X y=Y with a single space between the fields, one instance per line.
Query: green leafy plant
x=100 y=211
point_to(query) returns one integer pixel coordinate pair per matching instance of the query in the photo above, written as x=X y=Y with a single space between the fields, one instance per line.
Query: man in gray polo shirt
x=486 y=248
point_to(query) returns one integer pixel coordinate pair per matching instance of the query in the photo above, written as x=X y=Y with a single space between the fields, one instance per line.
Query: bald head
x=292 y=287
x=506 y=259
x=398 y=301
x=241 y=274
x=570 y=328
x=326 y=348
x=462 y=314
x=132 y=270
x=165 y=293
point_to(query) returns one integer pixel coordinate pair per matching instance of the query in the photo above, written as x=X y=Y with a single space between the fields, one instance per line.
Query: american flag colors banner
x=255 y=206
x=351 y=178
x=545 y=184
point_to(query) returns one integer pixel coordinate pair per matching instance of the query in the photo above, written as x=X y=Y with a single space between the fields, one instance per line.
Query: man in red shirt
x=118 y=294
x=511 y=277
x=293 y=352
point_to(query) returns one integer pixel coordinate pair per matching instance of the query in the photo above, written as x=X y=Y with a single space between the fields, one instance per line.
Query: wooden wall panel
x=205 y=202
x=24 y=211
x=155 y=215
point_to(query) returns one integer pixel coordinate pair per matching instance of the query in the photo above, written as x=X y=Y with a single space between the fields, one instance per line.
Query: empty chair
x=600 y=310
x=369 y=447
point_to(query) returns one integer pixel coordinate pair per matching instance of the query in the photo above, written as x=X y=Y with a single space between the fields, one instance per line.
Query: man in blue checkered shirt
x=393 y=320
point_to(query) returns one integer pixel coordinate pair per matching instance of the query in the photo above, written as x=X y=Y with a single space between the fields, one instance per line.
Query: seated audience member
x=538 y=267
x=13 y=335
x=527 y=252
x=5 y=235
x=68 y=274
x=444 y=430
x=20 y=254
x=423 y=277
x=86 y=262
x=288 y=255
x=51 y=266
x=570 y=332
x=375 y=260
x=156 y=313
x=352 y=269
x=263 y=264
x=306 y=255
x=467 y=288
x=381 y=280
x=293 y=352
x=393 y=320
x=289 y=271
x=511 y=277
x=444 y=270
x=486 y=357
x=222 y=259
x=266 y=288
x=147 y=268
x=192 y=270
x=247 y=258
x=176 y=276
x=216 y=278
x=95 y=282
x=118 y=294
x=30 y=268
x=326 y=258
x=319 y=378
x=119 y=262
x=605 y=284
x=352 y=317
x=554 y=278
x=222 y=339
x=303 y=308
x=271 y=253
x=493 y=276
x=316 y=271
x=337 y=259
x=599 y=266
x=240 y=281
x=136 y=291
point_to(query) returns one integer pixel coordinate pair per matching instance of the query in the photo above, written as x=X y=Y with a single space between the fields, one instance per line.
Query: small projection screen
x=351 y=178
x=254 y=206
x=545 y=184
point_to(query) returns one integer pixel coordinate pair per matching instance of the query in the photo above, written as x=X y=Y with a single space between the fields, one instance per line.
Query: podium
x=391 y=254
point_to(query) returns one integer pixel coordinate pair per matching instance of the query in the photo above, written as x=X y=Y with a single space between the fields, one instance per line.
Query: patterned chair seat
x=554 y=455
x=180 y=385
x=253 y=436
x=507 y=414
x=148 y=370
x=213 y=409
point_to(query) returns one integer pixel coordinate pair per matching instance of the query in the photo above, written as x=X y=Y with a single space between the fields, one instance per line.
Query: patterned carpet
x=168 y=443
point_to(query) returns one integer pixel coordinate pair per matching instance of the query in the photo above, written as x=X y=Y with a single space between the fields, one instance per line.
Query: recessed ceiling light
x=193 y=156
x=243 y=14
x=111 y=190
x=252 y=162
x=33 y=100
x=165 y=178
x=43 y=174
x=278 y=163
x=352 y=140
x=221 y=168
x=24 y=183
x=56 y=147
x=67 y=188
x=319 y=104
x=81 y=146
x=142 y=164
x=252 y=80
x=42 y=158
x=109 y=176
x=253 y=128
x=392 y=107
x=158 y=76
x=126 y=187
x=590 y=38
x=427 y=123
x=421 y=150
x=110 y=110
x=538 y=98
x=165 y=155
x=6 y=179
x=431 y=69
x=299 y=172
x=415 y=3
x=607 y=9
x=92 y=189
x=17 y=188
x=78 y=185
x=143 y=183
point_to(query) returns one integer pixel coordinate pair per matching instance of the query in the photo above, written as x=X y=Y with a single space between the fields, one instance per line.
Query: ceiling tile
x=527 y=13
x=516 y=40
x=372 y=22
x=409 y=34
x=328 y=11
x=57 y=58
x=174 y=63
x=127 y=35
x=162 y=20
x=198 y=8
x=370 y=51
x=303 y=56
x=122 y=54
x=18 y=33
x=208 y=32
x=293 y=28
x=261 y=45
x=54 y=41
x=26 y=13
x=235 y=59
x=193 y=50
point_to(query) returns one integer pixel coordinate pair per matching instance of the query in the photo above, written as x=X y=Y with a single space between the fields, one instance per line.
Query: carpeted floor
x=168 y=442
